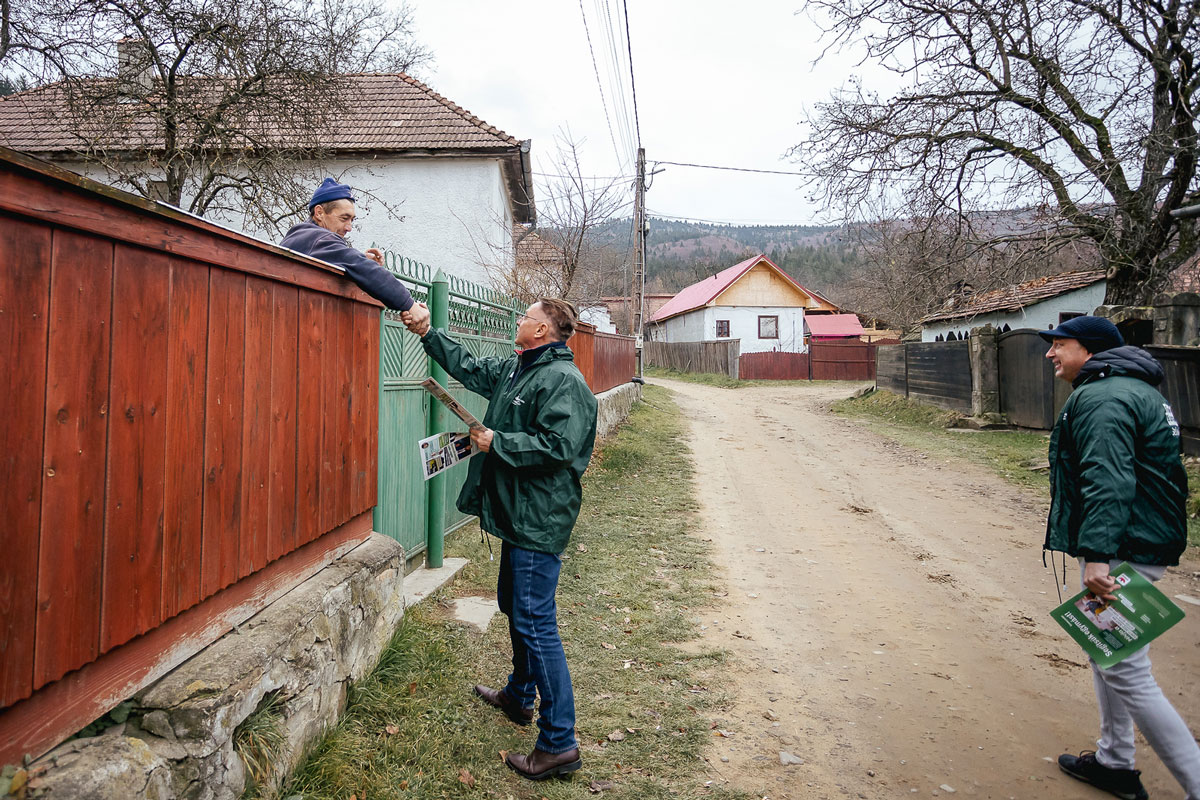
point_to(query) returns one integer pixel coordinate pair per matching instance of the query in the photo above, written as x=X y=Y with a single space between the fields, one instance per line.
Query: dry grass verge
x=632 y=581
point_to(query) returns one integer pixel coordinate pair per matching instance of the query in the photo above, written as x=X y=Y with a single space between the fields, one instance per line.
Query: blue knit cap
x=1095 y=333
x=330 y=190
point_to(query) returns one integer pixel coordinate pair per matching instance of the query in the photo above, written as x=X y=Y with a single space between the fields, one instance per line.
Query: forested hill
x=681 y=253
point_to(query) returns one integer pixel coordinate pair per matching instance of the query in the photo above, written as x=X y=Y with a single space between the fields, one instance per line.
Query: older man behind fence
x=525 y=488
x=1118 y=490
x=331 y=217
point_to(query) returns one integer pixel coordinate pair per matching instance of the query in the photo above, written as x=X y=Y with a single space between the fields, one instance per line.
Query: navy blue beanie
x=330 y=190
x=1096 y=334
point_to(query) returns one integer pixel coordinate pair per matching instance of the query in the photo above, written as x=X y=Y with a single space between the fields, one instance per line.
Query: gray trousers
x=1128 y=695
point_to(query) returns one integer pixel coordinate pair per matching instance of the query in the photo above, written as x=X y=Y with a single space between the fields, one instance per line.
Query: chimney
x=134 y=75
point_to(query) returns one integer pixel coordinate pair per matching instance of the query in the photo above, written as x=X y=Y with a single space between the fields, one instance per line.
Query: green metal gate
x=484 y=321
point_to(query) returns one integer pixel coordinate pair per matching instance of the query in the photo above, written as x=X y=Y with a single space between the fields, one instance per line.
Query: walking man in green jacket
x=1118 y=490
x=525 y=488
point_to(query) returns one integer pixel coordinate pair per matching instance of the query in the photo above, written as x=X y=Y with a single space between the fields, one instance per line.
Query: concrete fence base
x=302 y=651
x=614 y=406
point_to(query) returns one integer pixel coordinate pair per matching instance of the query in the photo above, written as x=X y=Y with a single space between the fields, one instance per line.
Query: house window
x=1066 y=315
x=768 y=327
x=722 y=329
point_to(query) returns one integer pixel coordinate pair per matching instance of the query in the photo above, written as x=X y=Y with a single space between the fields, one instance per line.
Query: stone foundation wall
x=302 y=651
x=615 y=405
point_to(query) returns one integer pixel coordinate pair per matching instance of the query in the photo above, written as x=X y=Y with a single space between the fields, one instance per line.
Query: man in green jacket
x=525 y=488
x=1118 y=491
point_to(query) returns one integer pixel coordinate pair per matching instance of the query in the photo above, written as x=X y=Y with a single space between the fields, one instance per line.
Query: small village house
x=456 y=185
x=753 y=301
x=1042 y=304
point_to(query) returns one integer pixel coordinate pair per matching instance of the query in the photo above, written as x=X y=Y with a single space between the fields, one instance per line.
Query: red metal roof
x=703 y=292
x=824 y=326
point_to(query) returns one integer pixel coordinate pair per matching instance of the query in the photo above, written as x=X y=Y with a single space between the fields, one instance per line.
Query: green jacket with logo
x=527 y=490
x=1117 y=484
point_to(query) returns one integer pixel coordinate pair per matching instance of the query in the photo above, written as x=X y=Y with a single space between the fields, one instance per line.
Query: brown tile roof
x=533 y=252
x=390 y=113
x=1011 y=298
x=1186 y=277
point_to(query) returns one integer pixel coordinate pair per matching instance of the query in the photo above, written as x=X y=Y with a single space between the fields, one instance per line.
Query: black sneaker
x=1124 y=783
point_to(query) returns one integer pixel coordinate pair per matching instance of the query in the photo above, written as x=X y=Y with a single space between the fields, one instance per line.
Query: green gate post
x=435 y=525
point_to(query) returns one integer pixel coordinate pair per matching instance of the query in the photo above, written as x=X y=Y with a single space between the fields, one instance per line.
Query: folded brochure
x=447 y=399
x=1111 y=631
x=444 y=450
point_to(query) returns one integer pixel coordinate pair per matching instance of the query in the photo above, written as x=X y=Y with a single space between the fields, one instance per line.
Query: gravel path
x=889 y=614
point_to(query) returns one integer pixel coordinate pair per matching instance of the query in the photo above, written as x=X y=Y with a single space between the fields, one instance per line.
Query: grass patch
x=259 y=740
x=632 y=580
x=1192 y=465
x=718 y=380
x=1009 y=454
x=1012 y=455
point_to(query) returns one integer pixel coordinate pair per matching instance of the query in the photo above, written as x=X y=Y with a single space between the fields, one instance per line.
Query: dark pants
x=525 y=593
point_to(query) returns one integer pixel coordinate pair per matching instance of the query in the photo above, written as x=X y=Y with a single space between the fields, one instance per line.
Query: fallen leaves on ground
x=596 y=787
x=464 y=776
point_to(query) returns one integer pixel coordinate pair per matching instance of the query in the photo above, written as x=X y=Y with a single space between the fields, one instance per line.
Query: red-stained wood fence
x=842 y=361
x=606 y=360
x=774 y=366
x=824 y=361
x=189 y=430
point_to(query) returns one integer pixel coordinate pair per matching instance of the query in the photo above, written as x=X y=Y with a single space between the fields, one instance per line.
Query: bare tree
x=917 y=264
x=563 y=257
x=1082 y=110
x=206 y=104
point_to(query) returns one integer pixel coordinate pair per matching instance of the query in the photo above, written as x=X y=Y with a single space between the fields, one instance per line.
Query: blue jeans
x=525 y=593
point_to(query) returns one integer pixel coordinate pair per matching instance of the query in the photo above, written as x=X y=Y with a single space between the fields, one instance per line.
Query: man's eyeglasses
x=526 y=316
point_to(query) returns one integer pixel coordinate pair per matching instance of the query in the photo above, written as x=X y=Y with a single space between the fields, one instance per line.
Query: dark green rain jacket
x=527 y=489
x=1117 y=483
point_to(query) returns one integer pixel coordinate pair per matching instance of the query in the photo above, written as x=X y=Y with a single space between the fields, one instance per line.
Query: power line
x=632 y=85
x=600 y=85
x=617 y=75
x=737 y=169
x=584 y=177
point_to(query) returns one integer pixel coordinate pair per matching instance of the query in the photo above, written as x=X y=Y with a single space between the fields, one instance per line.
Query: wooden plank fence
x=842 y=361
x=773 y=366
x=939 y=373
x=715 y=357
x=186 y=407
x=607 y=360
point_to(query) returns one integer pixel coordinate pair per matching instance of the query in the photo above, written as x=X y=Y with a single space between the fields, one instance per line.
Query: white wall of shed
x=1039 y=316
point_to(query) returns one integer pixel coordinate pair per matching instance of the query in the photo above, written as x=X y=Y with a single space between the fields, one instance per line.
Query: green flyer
x=1110 y=631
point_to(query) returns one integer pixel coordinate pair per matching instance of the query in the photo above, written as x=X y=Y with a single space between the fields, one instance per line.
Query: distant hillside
x=681 y=253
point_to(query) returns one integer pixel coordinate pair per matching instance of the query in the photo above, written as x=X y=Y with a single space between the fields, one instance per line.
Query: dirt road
x=888 y=613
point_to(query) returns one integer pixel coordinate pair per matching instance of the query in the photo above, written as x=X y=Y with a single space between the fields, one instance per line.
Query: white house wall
x=701 y=326
x=453 y=212
x=1039 y=316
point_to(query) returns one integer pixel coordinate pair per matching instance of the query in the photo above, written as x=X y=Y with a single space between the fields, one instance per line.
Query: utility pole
x=639 y=256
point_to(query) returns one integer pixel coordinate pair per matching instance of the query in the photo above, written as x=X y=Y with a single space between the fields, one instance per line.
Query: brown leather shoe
x=501 y=700
x=539 y=765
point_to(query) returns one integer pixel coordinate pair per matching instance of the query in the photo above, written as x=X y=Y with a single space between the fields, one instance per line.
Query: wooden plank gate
x=842 y=361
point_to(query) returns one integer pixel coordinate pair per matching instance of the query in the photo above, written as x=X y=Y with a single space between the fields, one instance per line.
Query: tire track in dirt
x=888 y=613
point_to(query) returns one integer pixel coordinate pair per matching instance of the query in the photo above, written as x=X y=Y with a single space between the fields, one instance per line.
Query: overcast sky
x=717 y=83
